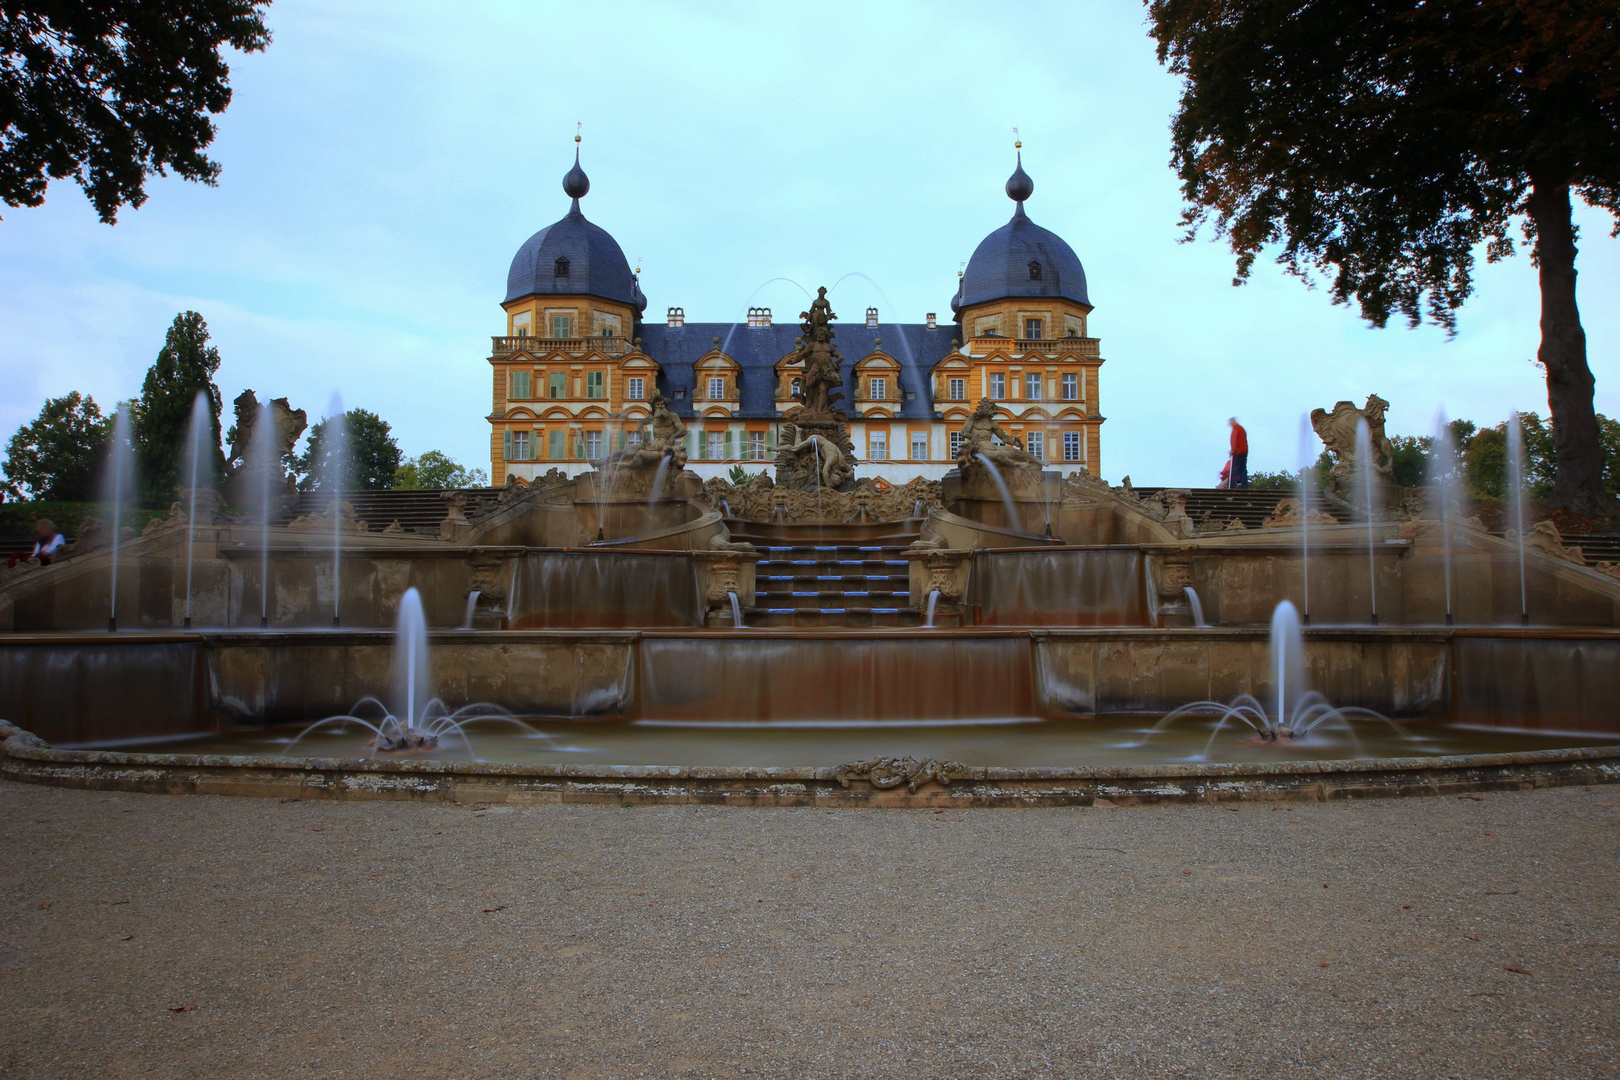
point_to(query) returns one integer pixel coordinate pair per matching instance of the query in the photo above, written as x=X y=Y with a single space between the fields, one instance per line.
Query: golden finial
x=961 y=267
x=1018 y=144
x=580 y=126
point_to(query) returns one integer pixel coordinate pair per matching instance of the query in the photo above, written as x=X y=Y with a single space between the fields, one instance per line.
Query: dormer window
x=1034 y=271
x=677 y=316
x=560 y=267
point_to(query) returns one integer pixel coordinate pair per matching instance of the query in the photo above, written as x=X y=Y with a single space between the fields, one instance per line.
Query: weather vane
x=579 y=125
x=1018 y=144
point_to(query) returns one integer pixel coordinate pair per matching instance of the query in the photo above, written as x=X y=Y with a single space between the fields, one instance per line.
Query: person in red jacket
x=1240 y=454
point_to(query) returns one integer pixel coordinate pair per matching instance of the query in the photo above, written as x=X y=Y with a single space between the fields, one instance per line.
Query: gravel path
x=1440 y=937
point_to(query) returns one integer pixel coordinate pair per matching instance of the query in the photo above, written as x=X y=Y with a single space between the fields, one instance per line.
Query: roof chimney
x=759 y=316
x=932 y=320
x=677 y=316
x=871 y=316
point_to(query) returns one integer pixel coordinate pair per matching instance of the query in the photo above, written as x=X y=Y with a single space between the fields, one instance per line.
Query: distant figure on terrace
x=47 y=542
x=1240 y=454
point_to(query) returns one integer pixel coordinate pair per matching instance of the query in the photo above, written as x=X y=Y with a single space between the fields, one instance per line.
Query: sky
x=382 y=162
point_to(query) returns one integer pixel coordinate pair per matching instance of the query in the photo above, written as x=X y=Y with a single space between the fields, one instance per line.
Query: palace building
x=576 y=369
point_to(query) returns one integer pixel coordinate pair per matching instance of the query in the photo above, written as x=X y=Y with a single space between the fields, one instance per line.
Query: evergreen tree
x=58 y=456
x=185 y=365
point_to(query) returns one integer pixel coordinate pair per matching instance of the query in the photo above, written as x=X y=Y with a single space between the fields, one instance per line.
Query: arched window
x=560 y=268
x=1034 y=271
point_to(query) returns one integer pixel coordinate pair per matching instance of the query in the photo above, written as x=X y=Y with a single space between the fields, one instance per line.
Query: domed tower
x=569 y=378
x=1023 y=308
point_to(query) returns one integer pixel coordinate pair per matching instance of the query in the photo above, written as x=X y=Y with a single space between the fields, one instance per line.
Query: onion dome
x=573 y=256
x=1021 y=259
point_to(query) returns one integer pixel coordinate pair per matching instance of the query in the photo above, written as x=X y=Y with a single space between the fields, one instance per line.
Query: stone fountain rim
x=26 y=758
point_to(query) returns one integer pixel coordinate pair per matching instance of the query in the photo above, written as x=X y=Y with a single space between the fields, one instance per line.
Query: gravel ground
x=1439 y=937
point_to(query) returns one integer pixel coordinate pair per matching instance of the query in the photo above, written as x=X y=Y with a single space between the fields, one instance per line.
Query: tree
x=1380 y=143
x=371 y=455
x=58 y=456
x=436 y=470
x=185 y=365
x=111 y=92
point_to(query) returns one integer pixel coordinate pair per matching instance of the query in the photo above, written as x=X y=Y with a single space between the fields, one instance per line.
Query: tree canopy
x=185 y=365
x=1379 y=144
x=371 y=460
x=110 y=92
x=59 y=455
x=436 y=470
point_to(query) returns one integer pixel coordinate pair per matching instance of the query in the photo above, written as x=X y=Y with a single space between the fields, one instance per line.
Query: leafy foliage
x=372 y=456
x=1273 y=481
x=110 y=92
x=1380 y=144
x=184 y=367
x=57 y=457
x=435 y=469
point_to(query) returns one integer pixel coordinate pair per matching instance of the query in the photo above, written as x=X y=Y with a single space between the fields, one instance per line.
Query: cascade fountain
x=335 y=476
x=1515 y=454
x=1364 y=472
x=118 y=485
x=196 y=440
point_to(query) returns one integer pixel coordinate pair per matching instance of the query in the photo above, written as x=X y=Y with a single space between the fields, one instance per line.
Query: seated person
x=47 y=542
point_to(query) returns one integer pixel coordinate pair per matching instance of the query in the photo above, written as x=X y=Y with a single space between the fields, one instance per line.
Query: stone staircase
x=1249 y=505
x=831 y=575
x=418 y=510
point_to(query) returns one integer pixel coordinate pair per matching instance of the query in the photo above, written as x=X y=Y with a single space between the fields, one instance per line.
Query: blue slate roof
x=999 y=268
x=758 y=348
x=596 y=263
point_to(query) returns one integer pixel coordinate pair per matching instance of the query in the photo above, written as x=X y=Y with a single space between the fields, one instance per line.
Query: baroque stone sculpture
x=1337 y=430
x=633 y=470
x=983 y=440
x=244 y=486
x=816 y=452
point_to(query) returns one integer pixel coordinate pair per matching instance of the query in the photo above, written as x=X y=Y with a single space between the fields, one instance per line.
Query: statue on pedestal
x=816 y=452
x=633 y=470
x=1337 y=430
x=983 y=440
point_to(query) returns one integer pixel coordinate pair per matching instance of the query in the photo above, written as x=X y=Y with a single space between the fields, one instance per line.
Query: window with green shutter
x=520 y=385
x=556 y=451
x=593 y=384
x=559 y=384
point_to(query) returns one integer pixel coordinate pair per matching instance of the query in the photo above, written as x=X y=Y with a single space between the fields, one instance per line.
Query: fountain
x=1195 y=605
x=425 y=720
x=267 y=464
x=1050 y=652
x=1294 y=711
x=197 y=431
x=1515 y=455
x=334 y=477
x=118 y=485
x=1364 y=465
x=1446 y=478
